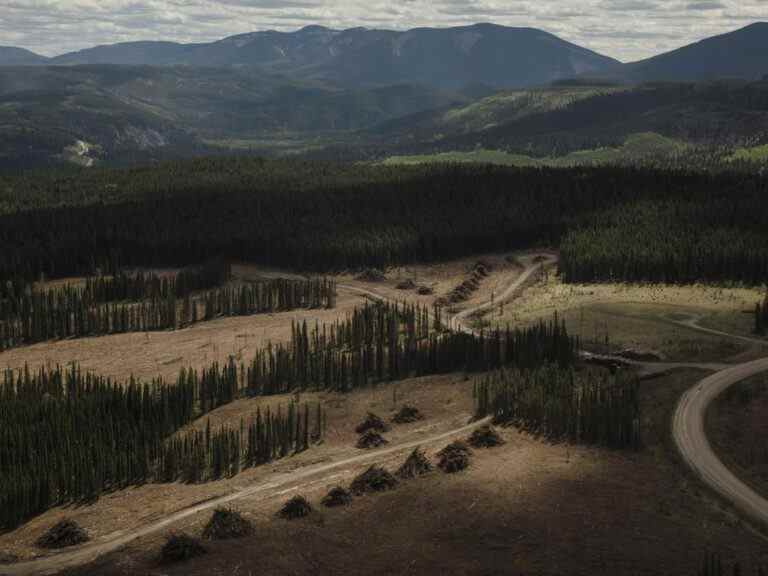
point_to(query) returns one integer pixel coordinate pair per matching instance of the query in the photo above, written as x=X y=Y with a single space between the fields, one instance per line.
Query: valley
x=457 y=299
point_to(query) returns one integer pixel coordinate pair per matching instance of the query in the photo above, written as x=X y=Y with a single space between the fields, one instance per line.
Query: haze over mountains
x=444 y=58
x=424 y=89
x=448 y=58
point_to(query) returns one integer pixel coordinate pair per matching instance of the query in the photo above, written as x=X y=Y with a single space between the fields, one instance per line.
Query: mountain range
x=448 y=58
x=420 y=91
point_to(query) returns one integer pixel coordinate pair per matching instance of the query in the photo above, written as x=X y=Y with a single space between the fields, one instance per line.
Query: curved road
x=273 y=486
x=691 y=440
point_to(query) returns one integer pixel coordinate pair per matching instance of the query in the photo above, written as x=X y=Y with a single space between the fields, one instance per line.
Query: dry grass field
x=524 y=508
x=446 y=403
x=611 y=317
x=528 y=507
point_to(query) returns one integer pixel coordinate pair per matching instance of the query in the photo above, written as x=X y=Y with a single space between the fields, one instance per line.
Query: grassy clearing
x=609 y=317
x=756 y=154
x=636 y=147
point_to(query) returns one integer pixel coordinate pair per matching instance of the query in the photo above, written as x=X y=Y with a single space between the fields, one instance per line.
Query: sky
x=624 y=29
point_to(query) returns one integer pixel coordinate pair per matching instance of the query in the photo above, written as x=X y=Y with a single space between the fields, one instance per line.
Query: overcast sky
x=625 y=29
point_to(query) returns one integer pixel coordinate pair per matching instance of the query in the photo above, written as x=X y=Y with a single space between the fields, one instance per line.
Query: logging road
x=687 y=429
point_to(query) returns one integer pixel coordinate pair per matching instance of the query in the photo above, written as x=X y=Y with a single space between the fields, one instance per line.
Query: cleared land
x=612 y=317
x=445 y=401
x=147 y=355
x=526 y=507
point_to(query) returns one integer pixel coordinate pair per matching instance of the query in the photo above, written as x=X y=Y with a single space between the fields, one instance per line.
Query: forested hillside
x=612 y=222
x=558 y=120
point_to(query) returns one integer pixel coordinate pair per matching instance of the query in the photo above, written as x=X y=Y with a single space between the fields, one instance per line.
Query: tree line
x=719 y=238
x=387 y=342
x=564 y=405
x=68 y=436
x=325 y=217
x=74 y=312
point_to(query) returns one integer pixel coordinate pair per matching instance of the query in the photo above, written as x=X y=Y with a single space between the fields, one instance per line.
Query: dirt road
x=689 y=434
x=273 y=487
x=688 y=431
x=270 y=488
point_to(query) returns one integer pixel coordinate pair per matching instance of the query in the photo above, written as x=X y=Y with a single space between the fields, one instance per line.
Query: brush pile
x=417 y=464
x=62 y=535
x=371 y=439
x=226 y=524
x=375 y=479
x=470 y=284
x=181 y=547
x=337 y=497
x=486 y=437
x=454 y=457
x=407 y=414
x=296 y=507
x=371 y=422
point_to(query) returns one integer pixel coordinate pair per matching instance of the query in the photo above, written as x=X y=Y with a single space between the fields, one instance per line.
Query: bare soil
x=522 y=508
x=449 y=402
x=147 y=355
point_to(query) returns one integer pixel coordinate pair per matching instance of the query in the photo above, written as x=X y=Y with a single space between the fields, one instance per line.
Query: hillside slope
x=11 y=56
x=739 y=54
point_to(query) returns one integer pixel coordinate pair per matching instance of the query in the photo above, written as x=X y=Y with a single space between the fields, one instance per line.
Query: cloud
x=624 y=29
x=706 y=6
